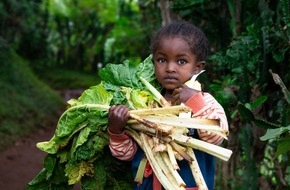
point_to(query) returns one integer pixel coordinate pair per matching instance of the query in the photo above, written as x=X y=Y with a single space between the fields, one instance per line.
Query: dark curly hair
x=195 y=38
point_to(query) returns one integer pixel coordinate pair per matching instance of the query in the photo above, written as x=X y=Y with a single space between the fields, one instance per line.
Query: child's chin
x=171 y=86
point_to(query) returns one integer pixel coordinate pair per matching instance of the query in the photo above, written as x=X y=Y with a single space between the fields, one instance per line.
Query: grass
x=58 y=78
x=28 y=101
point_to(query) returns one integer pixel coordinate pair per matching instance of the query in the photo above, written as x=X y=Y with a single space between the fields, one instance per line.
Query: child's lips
x=170 y=79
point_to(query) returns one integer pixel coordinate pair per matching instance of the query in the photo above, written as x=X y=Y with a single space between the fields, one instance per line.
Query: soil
x=22 y=161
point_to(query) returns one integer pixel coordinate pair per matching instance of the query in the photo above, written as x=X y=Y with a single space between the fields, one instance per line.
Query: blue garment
x=205 y=161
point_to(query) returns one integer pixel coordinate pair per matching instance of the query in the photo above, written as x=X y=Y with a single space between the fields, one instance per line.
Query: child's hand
x=117 y=119
x=182 y=94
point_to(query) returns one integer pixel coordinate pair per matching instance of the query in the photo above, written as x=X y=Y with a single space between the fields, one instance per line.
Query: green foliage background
x=49 y=44
x=26 y=103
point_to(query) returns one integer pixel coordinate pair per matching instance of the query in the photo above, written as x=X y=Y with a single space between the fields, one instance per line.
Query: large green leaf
x=258 y=102
x=265 y=124
x=246 y=113
x=127 y=74
x=283 y=146
x=275 y=133
x=120 y=74
x=95 y=95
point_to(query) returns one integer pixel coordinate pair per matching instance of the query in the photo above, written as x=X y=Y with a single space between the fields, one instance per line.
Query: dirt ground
x=22 y=161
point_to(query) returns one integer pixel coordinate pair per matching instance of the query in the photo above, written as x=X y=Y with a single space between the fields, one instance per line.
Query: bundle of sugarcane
x=162 y=134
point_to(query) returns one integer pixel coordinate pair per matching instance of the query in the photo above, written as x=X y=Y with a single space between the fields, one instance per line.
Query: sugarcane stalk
x=167 y=169
x=158 y=127
x=153 y=160
x=212 y=149
x=171 y=170
x=134 y=124
x=158 y=146
x=179 y=149
x=172 y=110
x=141 y=127
x=211 y=125
x=135 y=136
x=140 y=172
x=197 y=175
x=156 y=94
x=172 y=157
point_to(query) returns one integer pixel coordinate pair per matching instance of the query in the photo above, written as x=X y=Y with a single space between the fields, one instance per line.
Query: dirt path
x=22 y=161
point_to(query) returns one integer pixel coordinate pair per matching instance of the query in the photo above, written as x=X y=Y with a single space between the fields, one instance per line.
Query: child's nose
x=171 y=67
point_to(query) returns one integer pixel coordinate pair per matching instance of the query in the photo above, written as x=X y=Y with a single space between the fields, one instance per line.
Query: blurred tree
x=85 y=33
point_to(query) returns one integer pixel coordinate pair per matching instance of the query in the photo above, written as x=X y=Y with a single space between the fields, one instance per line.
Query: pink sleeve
x=205 y=106
x=122 y=146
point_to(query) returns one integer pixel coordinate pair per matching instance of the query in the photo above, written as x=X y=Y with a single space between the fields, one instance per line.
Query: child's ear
x=199 y=66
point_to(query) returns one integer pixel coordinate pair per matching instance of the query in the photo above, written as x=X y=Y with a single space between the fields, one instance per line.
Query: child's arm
x=204 y=106
x=121 y=145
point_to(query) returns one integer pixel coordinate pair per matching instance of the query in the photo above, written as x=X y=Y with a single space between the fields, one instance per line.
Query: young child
x=179 y=51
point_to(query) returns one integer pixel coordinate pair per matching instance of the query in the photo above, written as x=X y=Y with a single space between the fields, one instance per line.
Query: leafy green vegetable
x=128 y=75
x=76 y=171
x=78 y=151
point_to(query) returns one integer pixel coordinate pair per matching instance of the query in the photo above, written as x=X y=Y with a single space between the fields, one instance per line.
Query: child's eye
x=181 y=62
x=161 y=60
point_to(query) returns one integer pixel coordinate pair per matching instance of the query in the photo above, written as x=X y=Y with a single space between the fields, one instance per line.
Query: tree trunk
x=167 y=14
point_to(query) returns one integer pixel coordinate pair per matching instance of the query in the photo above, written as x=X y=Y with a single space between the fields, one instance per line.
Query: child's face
x=175 y=63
